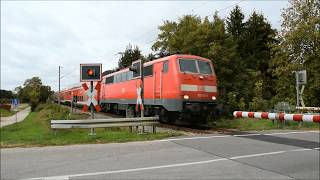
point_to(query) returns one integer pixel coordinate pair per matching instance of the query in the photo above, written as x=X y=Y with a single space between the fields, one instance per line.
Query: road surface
x=275 y=155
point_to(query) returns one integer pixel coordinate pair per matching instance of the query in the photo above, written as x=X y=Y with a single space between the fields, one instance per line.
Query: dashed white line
x=66 y=177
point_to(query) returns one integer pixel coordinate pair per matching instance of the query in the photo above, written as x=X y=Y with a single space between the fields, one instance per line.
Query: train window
x=187 y=65
x=129 y=75
x=136 y=66
x=109 y=80
x=117 y=78
x=123 y=76
x=204 y=67
x=148 y=70
x=165 y=67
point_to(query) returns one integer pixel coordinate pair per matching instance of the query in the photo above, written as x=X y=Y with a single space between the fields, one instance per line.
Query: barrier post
x=92 y=131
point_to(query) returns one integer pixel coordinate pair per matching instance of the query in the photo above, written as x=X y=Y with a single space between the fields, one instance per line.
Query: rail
x=104 y=123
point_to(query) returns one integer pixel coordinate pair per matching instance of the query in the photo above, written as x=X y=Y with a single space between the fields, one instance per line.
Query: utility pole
x=59 y=86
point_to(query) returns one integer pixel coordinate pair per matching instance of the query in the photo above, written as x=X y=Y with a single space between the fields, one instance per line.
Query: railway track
x=171 y=127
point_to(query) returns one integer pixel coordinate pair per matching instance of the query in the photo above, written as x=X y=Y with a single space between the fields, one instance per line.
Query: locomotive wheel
x=168 y=116
x=164 y=116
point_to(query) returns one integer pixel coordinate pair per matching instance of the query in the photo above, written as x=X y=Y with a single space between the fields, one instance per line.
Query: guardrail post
x=153 y=129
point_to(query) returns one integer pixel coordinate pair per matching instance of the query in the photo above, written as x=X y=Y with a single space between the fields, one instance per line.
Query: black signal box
x=90 y=72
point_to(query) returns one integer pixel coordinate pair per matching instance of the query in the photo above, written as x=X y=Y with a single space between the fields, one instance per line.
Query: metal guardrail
x=104 y=123
x=308 y=108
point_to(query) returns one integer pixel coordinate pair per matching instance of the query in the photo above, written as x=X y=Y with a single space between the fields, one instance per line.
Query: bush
x=40 y=107
x=5 y=106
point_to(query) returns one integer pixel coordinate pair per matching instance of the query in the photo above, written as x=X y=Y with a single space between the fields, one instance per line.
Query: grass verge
x=35 y=131
x=6 y=113
x=246 y=124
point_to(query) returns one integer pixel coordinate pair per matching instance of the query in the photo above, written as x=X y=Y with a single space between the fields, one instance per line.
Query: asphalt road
x=284 y=155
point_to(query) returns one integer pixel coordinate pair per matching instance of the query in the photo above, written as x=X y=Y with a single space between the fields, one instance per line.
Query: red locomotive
x=175 y=87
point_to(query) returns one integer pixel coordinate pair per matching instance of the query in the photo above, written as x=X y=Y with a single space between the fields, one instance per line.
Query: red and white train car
x=174 y=86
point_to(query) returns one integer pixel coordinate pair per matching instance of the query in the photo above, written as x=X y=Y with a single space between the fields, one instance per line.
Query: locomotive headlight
x=185 y=97
x=214 y=98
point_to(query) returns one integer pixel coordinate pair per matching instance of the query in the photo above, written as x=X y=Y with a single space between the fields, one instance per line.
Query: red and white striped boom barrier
x=278 y=116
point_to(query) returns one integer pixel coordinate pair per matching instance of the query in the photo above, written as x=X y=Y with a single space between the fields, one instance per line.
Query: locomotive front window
x=137 y=67
x=204 y=67
x=188 y=66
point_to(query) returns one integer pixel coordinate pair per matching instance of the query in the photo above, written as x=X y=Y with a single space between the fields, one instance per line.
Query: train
x=178 y=87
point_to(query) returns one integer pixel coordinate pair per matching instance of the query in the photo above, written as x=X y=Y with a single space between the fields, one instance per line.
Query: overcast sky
x=37 y=37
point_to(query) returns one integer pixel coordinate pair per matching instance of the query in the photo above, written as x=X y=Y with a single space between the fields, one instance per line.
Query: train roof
x=159 y=60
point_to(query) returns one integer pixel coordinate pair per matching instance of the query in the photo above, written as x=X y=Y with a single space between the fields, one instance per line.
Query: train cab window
x=188 y=66
x=165 y=66
x=204 y=67
x=137 y=66
x=148 y=70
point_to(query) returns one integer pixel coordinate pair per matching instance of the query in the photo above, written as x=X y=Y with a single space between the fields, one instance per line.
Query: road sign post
x=15 y=107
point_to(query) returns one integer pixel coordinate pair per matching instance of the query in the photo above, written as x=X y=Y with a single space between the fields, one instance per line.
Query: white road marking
x=295 y=132
x=66 y=177
x=239 y=135
x=243 y=135
x=260 y=154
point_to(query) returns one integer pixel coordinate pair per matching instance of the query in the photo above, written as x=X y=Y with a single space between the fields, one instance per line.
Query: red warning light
x=90 y=72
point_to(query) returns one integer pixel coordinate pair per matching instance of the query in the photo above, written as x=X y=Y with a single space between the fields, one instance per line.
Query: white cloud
x=37 y=37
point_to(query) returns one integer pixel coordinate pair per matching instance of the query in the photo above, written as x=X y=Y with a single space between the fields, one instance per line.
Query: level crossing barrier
x=104 y=123
x=278 y=116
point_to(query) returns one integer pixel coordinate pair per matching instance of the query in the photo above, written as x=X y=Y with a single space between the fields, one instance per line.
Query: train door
x=160 y=74
x=102 y=89
x=157 y=80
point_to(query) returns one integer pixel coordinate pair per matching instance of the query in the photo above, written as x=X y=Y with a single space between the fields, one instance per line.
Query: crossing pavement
x=20 y=116
x=258 y=155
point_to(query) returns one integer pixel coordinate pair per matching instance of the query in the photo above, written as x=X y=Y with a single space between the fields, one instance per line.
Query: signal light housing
x=90 y=72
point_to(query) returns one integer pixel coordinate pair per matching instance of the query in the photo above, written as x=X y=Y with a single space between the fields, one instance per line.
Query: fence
x=104 y=123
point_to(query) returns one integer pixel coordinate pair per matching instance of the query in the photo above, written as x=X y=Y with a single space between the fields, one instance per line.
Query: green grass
x=6 y=113
x=245 y=124
x=35 y=131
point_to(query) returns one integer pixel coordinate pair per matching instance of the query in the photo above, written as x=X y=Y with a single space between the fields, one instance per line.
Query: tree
x=240 y=52
x=128 y=56
x=235 y=24
x=34 y=92
x=6 y=96
x=299 y=49
x=187 y=36
x=257 y=40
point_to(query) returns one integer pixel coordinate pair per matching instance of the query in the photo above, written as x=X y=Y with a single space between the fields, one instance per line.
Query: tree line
x=253 y=61
x=32 y=92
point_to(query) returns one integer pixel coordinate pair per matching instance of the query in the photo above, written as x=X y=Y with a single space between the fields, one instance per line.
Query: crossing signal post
x=91 y=73
x=137 y=67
